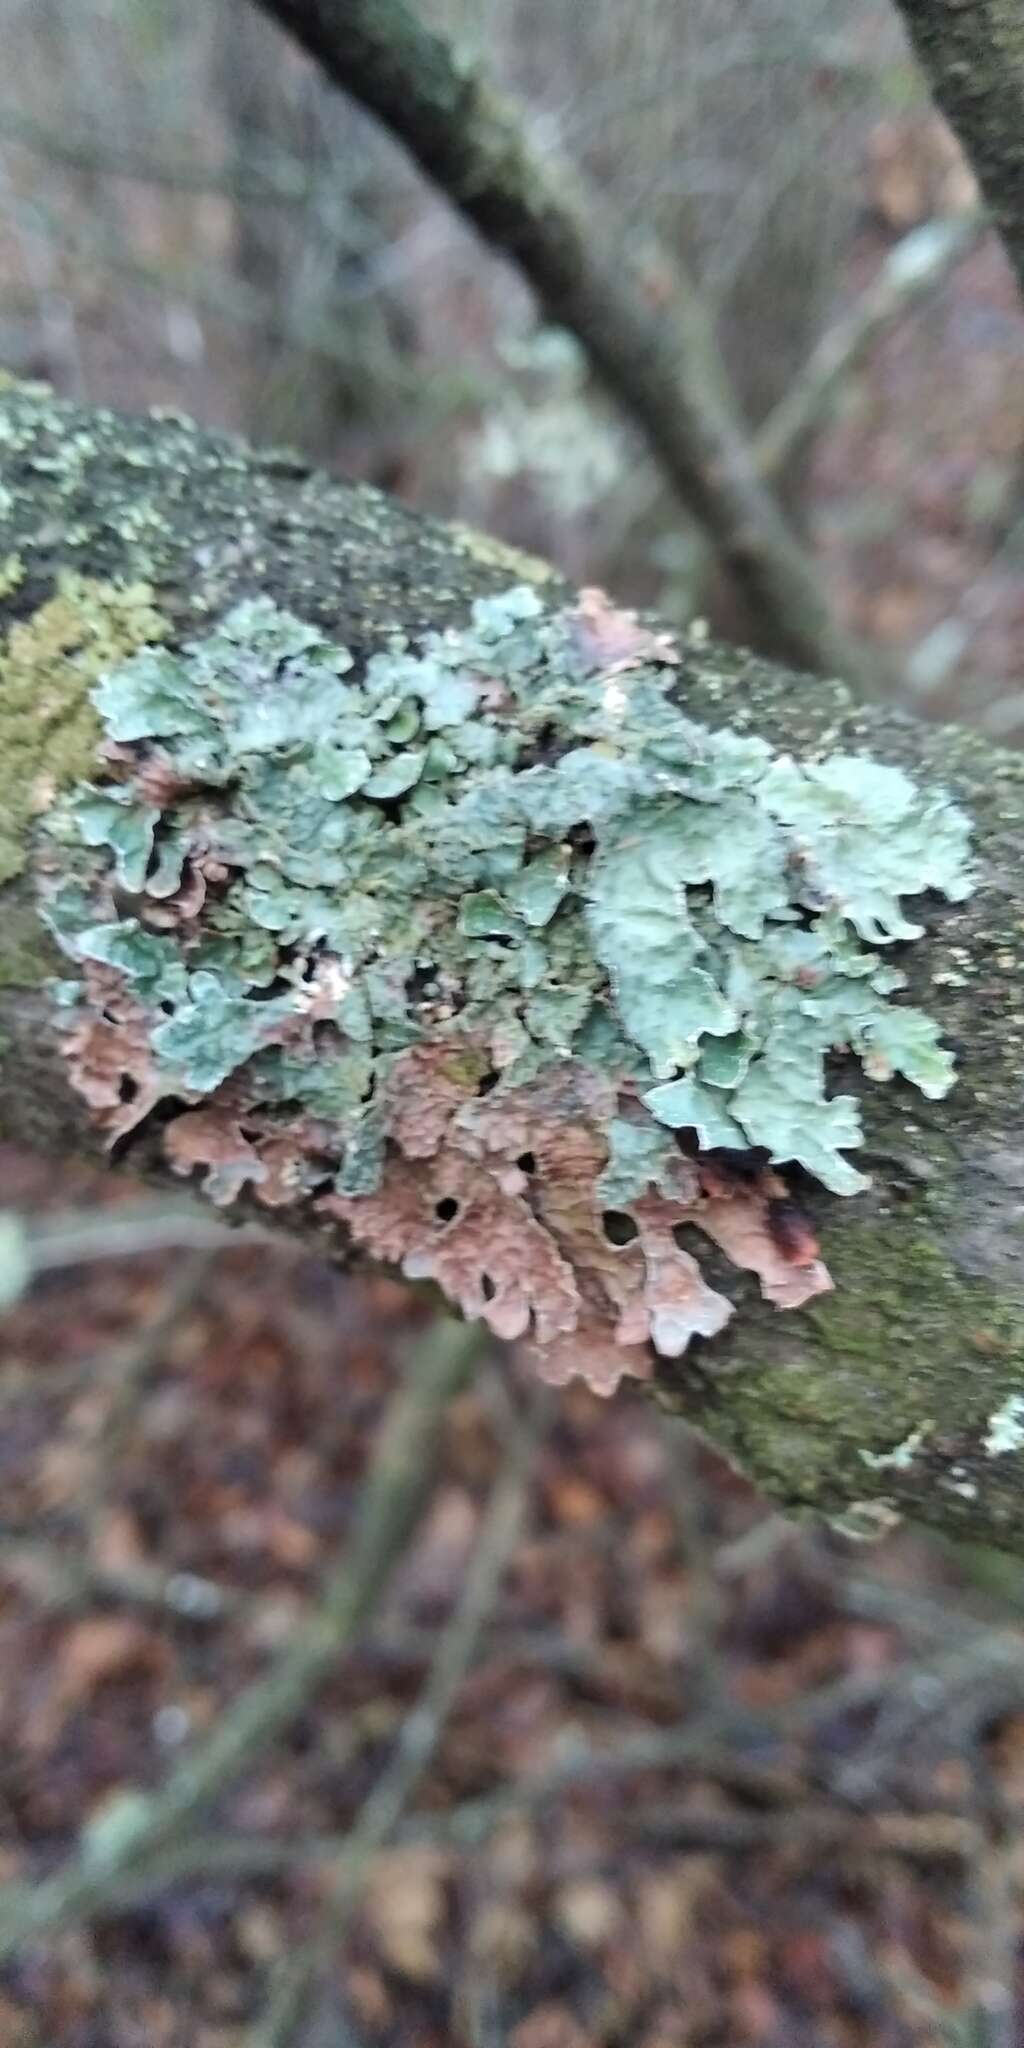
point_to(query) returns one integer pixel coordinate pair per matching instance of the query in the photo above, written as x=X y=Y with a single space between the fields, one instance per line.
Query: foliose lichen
x=489 y=952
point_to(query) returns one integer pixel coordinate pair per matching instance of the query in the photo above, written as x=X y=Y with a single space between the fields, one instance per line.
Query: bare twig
x=923 y=1838
x=218 y=297
x=282 y=181
x=65 y=1579
x=686 y=1499
x=914 y=269
x=74 y=1238
x=636 y=314
x=418 y=1738
x=129 y=1389
x=139 y=1825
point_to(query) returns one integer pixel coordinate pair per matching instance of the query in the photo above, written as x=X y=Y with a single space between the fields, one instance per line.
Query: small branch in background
x=687 y=1502
x=138 y=1825
x=216 y=296
x=62 y=1580
x=255 y=180
x=58 y=320
x=418 y=1738
x=973 y=59
x=73 y=1237
x=635 y=312
x=793 y=1820
x=128 y=1391
x=911 y=272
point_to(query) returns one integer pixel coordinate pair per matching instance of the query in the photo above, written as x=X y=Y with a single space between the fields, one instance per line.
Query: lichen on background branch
x=488 y=953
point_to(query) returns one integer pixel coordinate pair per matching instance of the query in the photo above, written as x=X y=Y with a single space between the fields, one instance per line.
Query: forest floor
x=746 y=1786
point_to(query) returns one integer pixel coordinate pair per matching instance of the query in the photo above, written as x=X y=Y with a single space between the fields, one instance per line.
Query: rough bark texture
x=634 y=311
x=972 y=54
x=897 y=1389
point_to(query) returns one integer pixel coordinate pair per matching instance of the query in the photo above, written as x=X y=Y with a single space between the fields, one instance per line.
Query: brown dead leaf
x=588 y=1911
x=93 y=1652
x=17 y=2028
x=103 y=1647
x=406 y=1909
x=916 y=169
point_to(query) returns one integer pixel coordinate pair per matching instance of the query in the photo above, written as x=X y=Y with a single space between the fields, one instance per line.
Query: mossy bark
x=897 y=1391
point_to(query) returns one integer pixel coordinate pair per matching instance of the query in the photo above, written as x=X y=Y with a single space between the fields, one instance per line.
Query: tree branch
x=636 y=313
x=973 y=59
x=897 y=1390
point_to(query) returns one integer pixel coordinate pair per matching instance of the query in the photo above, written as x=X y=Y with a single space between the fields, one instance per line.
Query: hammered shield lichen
x=510 y=849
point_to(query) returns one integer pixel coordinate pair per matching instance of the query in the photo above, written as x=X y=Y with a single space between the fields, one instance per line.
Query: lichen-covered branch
x=973 y=58
x=635 y=312
x=399 y=891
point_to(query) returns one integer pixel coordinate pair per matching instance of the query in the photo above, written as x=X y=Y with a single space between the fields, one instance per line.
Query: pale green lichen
x=1006 y=1428
x=658 y=898
x=902 y=1455
x=494 y=955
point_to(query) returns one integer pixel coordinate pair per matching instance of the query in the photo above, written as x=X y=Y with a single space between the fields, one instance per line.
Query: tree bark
x=901 y=1389
x=973 y=58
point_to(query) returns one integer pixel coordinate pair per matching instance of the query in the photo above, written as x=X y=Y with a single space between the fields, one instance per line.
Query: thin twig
x=912 y=271
x=419 y=1735
x=63 y=1579
x=932 y=1837
x=129 y=1388
x=73 y=1238
x=247 y=180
